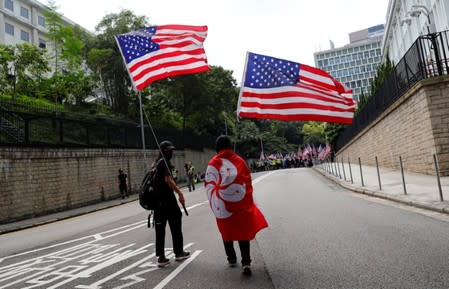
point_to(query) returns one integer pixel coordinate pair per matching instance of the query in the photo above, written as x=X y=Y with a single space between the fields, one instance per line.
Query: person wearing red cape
x=230 y=192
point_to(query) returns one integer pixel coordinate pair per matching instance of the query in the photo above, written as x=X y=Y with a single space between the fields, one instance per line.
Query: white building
x=354 y=64
x=23 y=21
x=406 y=20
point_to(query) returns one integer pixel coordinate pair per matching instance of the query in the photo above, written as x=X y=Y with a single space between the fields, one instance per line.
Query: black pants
x=244 y=251
x=123 y=189
x=190 y=183
x=173 y=217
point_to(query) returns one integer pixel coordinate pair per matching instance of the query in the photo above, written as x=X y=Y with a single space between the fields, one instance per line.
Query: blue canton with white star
x=268 y=72
x=137 y=43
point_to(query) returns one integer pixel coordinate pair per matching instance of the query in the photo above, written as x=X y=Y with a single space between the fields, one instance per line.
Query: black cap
x=166 y=145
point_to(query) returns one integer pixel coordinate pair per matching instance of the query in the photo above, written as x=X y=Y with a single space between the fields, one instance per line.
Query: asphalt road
x=320 y=236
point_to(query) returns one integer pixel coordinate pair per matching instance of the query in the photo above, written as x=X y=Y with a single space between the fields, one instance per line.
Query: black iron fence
x=58 y=129
x=427 y=57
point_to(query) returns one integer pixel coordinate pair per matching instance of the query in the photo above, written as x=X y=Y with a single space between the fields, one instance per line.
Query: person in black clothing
x=168 y=209
x=123 y=183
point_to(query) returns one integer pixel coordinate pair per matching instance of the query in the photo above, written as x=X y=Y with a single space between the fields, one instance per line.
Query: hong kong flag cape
x=230 y=192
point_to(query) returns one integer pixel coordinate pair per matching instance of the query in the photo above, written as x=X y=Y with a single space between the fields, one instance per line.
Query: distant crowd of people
x=280 y=163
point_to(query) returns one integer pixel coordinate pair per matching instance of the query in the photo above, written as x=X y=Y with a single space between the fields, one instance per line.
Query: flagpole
x=241 y=85
x=139 y=94
x=240 y=95
x=142 y=130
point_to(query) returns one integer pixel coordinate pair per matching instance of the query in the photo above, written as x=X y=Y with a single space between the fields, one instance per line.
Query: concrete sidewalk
x=46 y=219
x=421 y=190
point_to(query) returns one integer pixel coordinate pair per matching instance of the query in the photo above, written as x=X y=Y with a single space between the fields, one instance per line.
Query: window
x=25 y=36
x=9 y=29
x=42 y=43
x=40 y=20
x=9 y=5
x=24 y=12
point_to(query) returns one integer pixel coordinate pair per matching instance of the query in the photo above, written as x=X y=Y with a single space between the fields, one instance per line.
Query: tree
x=204 y=100
x=332 y=131
x=313 y=132
x=29 y=65
x=69 y=82
x=6 y=76
x=67 y=47
x=114 y=76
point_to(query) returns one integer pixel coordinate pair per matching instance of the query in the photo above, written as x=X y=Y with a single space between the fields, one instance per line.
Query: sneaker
x=247 y=270
x=232 y=263
x=184 y=255
x=162 y=261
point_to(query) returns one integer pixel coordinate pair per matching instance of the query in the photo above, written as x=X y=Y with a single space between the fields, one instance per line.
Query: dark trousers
x=123 y=189
x=174 y=222
x=190 y=183
x=244 y=251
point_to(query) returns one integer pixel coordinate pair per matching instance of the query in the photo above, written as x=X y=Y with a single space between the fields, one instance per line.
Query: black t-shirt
x=166 y=194
x=122 y=178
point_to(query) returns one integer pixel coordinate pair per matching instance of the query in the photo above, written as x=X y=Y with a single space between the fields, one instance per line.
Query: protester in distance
x=190 y=173
x=168 y=209
x=229 y=189
x=123 y=183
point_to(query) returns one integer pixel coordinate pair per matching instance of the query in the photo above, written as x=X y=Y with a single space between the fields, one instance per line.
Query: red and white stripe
x=181 y=52
x=316 y=97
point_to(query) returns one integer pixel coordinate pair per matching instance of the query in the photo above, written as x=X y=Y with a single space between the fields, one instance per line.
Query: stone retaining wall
x=414 y=128
x=35 y=182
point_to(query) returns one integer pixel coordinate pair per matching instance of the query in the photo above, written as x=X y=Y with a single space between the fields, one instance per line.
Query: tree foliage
x=313 y=132
x=105 y=59
x=204 y=103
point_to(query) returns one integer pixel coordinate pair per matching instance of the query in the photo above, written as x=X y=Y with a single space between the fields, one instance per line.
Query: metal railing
x=426 y=58
x=395 y=179
x=57 y=129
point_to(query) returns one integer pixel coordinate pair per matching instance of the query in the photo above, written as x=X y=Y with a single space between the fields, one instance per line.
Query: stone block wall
x=35 y=182
x=414 y=128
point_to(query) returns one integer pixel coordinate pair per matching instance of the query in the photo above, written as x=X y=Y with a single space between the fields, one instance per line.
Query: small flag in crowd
x=159 y=52
x=279 y=89
x=325 y=152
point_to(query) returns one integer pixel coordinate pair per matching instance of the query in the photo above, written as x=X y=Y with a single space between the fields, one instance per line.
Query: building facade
x=22 y=21
x=354 y=64
x=406 y=20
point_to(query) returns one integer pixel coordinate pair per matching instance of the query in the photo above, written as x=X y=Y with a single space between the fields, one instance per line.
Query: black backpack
x=148 y=197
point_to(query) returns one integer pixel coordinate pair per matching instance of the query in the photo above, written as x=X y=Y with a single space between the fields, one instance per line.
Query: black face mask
x=168 y=155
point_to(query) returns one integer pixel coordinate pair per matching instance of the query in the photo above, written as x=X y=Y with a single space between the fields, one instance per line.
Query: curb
x=381 y=195
x=10 y=227
x=96 y=207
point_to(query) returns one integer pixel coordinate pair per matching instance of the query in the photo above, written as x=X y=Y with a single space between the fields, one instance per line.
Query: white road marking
x=95 y=237
x=258 y=179
x=97 y=284
x=197 y=205
x=178 y=270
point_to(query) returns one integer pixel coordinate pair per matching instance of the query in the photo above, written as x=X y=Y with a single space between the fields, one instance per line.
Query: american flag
x=158 y=52
x=279 y=89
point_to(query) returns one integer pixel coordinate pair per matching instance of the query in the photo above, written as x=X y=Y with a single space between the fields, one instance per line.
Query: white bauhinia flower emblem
x=220 y=187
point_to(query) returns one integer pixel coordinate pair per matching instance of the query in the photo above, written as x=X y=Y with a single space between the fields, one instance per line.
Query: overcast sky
x=288 y=29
